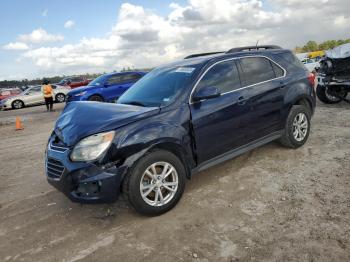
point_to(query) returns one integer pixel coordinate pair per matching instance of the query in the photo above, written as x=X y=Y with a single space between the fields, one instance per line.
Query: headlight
x=81 y=93
x=92 y=147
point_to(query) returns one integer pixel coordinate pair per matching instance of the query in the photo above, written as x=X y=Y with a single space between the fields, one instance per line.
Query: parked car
x=105 y=88
x=34 y=96
x=179 y=119
x=334 y=75
x=8 y=92
x=74 y=82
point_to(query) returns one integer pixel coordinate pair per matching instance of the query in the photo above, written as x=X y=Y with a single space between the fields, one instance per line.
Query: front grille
x=54 y=168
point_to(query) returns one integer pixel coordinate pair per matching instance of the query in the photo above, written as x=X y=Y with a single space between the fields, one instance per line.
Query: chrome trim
x=235 y=58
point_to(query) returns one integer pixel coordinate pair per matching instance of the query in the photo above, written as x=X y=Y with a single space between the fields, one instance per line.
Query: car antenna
x=257 y=42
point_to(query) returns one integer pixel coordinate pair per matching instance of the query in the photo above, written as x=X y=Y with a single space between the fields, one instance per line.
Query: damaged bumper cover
x=82 y=182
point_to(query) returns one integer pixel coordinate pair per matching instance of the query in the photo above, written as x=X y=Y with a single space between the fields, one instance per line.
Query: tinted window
x=223 y=76
x=278 y=71
x=131 y=78
x=256 y=70
x=113 y=80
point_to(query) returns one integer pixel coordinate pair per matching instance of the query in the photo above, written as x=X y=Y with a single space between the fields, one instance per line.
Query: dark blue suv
x=105 y=88
x=179 y=119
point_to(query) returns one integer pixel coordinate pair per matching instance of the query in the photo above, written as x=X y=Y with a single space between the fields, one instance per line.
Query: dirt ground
x=271 y=204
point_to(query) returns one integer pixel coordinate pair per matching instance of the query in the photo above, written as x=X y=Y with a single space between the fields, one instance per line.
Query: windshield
x=159 y=87
x=97 y=81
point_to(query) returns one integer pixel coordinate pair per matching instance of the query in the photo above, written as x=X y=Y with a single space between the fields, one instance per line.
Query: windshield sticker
x=187 y=70
x=166 y=99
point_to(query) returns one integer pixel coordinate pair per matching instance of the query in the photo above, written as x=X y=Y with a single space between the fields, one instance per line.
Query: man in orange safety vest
x=48 y=94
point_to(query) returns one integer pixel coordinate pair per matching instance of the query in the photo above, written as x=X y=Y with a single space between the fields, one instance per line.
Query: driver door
x=221 y=124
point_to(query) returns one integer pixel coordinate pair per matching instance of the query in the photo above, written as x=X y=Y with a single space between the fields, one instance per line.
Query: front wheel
x=297 y=128
x=329 y=96
x=96 y=98
x=17 y=104
x=156 y=183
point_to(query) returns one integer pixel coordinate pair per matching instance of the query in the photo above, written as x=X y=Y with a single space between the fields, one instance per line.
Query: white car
x=34 y=96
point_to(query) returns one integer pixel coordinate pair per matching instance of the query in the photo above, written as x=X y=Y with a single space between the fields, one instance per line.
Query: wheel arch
x=177 y=150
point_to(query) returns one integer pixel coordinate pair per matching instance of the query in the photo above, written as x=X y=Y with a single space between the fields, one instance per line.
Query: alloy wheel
x=159 y=184
x=17 y=104
x=300 y=127
x=60 y=98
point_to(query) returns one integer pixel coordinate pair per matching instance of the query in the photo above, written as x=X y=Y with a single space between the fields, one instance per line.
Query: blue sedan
x=105 y=88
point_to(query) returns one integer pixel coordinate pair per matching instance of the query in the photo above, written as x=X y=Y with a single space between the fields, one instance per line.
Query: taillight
x=311 y=77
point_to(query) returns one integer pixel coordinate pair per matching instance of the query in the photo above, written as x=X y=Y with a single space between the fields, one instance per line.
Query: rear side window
x=278 y=70
x=256 y=70
x=223 y=76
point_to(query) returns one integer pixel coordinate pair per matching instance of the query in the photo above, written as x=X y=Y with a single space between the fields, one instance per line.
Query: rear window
x=256 y=70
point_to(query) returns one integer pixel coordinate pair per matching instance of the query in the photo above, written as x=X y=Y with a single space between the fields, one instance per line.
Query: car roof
x=196 y=60
x=123 y=73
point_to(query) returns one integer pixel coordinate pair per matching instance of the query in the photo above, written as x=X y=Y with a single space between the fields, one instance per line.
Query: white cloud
x=16 y=46
x=142 y=38
x=69 y=24
x=39 y=36
x=45 y=13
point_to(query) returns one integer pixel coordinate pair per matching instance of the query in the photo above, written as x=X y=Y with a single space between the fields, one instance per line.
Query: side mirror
x=106 y=84
x=207 y=92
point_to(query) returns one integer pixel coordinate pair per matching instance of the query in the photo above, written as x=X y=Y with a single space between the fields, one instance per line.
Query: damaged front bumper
x=79 y=181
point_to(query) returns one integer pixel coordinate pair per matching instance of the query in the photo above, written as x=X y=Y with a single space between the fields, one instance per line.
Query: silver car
x=34 y=96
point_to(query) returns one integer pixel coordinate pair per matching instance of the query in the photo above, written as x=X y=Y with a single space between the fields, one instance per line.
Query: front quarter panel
x=134 y=140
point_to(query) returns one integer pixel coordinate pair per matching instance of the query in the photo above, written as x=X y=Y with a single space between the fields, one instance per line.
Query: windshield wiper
x=135 y=103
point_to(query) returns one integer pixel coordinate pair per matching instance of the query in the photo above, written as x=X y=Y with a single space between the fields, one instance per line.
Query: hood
x=81 y=89
x=81 y=119
x=342 y=51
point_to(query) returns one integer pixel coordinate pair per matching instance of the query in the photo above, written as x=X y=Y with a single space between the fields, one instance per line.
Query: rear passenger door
x=263 y=82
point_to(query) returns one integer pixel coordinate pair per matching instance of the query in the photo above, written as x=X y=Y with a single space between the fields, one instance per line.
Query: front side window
x=224 y=76
x=256 y=70
x=114 y=80
x=131 y=78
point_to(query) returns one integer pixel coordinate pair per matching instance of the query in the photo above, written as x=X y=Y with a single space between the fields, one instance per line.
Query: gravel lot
x=271 y=204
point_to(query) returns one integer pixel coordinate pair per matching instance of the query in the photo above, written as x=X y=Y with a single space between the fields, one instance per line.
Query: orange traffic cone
x=19 y=125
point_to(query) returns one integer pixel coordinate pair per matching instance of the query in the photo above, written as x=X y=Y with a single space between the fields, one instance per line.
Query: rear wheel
x=329 y=96
x=17 y=104
x=156 y=183
x=297 y=127
x=96 y=98
x=60 y=98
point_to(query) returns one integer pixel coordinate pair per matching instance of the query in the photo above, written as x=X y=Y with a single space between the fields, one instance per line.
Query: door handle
x=282 y=85
x=242 y=100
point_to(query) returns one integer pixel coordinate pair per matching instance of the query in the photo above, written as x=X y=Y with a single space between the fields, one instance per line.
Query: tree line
x=312 y=46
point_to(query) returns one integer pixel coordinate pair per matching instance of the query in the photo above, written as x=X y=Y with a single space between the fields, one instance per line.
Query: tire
x=60 y=98
x=96 y=98
x=17 y=104
x=296 y=133
x=151 y=204
x=325 y=97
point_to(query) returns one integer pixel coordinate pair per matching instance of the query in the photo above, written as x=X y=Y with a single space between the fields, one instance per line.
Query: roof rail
x=252 y=48
x=202 y=54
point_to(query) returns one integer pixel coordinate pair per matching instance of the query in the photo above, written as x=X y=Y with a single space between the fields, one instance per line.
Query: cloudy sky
x=45 y=38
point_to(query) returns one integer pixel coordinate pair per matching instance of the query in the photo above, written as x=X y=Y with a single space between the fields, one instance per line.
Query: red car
x=6 y=93
x=75 y=81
